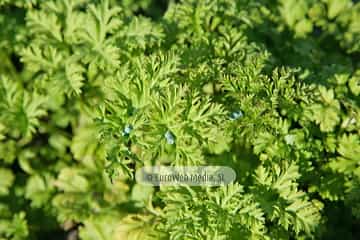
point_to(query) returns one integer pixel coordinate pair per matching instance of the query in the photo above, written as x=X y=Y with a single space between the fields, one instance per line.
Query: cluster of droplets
x=169 y=136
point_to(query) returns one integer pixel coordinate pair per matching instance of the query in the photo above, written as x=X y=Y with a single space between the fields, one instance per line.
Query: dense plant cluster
x=91 y=90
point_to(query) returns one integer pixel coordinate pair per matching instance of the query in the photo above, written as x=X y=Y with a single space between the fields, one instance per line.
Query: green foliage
x=93 y=90
x=7 y=179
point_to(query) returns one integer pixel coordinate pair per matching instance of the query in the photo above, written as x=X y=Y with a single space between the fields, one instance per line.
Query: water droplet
x=169 y=138
x=127 y=130
x=235 y=115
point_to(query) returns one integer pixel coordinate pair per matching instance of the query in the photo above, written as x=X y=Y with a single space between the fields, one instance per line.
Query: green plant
x=92 y=90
